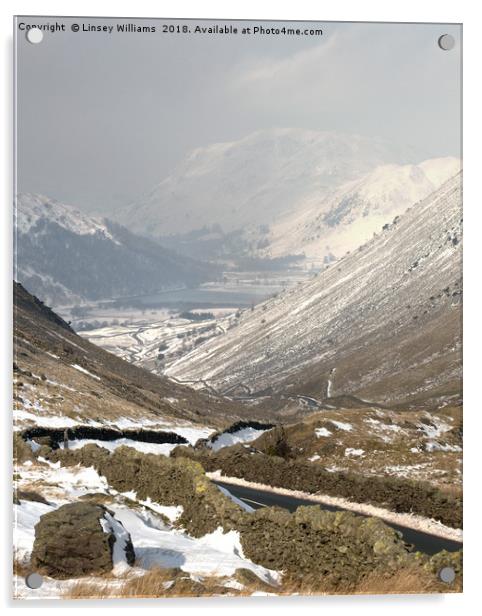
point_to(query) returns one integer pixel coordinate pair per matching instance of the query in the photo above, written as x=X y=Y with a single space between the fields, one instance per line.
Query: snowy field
x=153 y=333
x=156 y=543
x=154 y=344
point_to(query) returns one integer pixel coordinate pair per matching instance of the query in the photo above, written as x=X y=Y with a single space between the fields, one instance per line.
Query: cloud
x=388 y=80
x=282 y=72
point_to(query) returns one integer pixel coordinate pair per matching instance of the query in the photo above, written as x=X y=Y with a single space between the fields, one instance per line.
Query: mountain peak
x=254 y=180
x=31 y=207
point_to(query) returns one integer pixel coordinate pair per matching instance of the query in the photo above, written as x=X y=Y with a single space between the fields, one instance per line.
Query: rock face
x=71 y=542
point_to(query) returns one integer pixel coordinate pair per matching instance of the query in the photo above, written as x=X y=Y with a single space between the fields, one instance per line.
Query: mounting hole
x=34 y=35
x=34 y=581
x=446 y=42
x=447 y=575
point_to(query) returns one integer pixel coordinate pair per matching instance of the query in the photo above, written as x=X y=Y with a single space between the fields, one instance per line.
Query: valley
x=392 y=307
x=212 y=419
x=76 y=403
x=153 y=331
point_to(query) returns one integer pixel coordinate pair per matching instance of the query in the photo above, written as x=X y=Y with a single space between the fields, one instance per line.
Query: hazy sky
x=102 y=118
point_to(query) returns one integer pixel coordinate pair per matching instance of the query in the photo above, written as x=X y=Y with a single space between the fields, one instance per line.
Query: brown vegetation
x=159 y=582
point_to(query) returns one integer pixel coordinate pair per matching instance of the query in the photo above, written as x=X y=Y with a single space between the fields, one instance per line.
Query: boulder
x=76 y=540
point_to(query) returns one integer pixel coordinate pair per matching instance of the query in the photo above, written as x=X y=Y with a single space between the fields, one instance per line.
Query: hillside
x=65 y=257
x=383 y=324
x=62 y=380
x=326 y=227
x=111 y=457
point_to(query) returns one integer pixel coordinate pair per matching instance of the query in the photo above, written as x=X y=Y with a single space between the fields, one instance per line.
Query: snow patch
x=172 y=512
x=110 y=524
x=163 y=449
x=80 y=369
x=434 y=446
x=342 y=425
x=226 y=439
x=49 y=421
x=322 y=432
x=350 y=451
x=217 y=553
x=26 y=515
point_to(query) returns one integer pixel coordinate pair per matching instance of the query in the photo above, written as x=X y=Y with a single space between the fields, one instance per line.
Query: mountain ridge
x=63 y=379
x=67 y=257
x=261 y=168
x=382 y=324
x=266 y=194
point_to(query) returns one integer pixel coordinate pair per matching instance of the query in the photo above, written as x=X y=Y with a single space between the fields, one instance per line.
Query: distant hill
x=285 y=191
x=64 y=256
x=326 y=227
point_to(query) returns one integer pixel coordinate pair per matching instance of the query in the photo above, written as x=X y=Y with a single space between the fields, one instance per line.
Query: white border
x=361 y=10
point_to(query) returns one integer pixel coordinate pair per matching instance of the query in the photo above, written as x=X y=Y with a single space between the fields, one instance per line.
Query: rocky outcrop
x=274 y=443
x=76 y=540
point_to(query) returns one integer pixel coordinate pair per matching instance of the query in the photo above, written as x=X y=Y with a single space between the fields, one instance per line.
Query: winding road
x=423 y=542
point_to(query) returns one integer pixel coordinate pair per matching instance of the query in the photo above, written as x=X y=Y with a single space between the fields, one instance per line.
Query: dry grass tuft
x=156 y=583
x=21 y=569
x=406 y=581
x=88 y=590
x=403 y=581
x=159 y=582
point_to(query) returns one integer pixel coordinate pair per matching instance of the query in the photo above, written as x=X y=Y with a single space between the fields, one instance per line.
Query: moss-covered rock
x=72 y=542
x=340 y=545
x=274 y=443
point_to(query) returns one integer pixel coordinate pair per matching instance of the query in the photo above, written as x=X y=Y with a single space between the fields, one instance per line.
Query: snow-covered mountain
x=64 y=256
x=253 y=181
x=32 y=210
x=281 y=192
x=383 y=323
x=327 y=227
